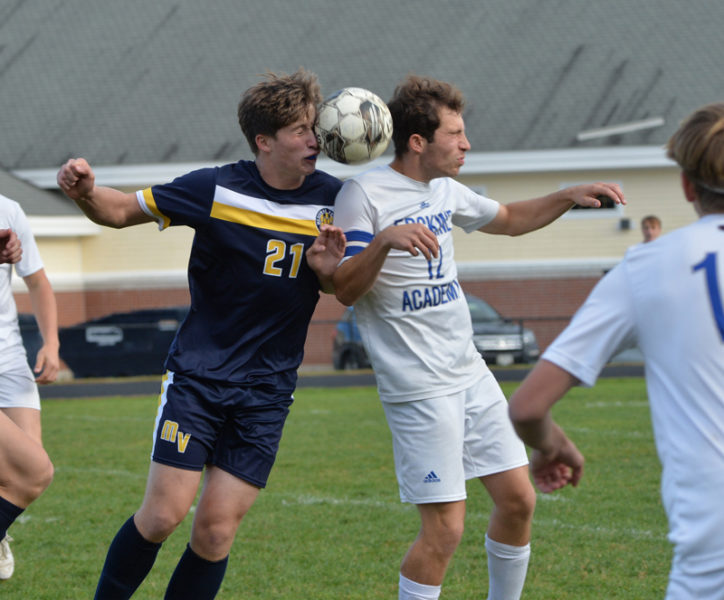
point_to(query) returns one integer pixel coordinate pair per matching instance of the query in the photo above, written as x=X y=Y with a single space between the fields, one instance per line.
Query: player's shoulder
x=324 y=180
x=379 y=175
x=11 y=212
x=9 y=204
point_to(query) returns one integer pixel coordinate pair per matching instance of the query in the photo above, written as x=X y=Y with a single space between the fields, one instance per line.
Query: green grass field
x=330 y=524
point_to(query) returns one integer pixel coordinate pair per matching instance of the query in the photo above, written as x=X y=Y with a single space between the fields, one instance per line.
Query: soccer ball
x=353 y=126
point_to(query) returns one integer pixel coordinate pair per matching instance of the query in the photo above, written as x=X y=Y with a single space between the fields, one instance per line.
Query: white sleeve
x=30 y=262
x=472 y=210
x=352 y=215
x=600 y=329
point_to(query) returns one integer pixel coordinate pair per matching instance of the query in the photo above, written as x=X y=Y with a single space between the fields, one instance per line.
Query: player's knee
x=212 y=541
x=157 y=525
x=37 y=479
x=520 y=505
x=444 y=539
x=451 y=538
x=447 y=543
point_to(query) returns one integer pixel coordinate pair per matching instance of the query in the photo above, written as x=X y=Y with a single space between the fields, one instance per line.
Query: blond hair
x=698 y=147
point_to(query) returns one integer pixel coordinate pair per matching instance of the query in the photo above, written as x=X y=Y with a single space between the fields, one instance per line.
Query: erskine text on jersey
x=438 y=223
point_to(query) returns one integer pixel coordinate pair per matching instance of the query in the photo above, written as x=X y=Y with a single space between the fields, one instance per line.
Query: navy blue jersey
x=252 y=292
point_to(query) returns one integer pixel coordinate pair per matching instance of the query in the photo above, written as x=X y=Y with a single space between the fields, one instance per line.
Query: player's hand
x=331 y=239
x=11 y=251
x=76 y=178
x=553 y=473
x=412 y=237
x=589 y=195
x=47 y=365
x=324 y=255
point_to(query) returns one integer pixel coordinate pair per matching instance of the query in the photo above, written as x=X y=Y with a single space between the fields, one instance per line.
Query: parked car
x=32 y=340
x=129 y=343
x=499 y=340
x=347 y=349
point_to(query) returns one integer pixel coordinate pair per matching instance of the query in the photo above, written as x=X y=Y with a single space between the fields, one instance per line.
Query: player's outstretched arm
x=11 y=250
x=324 y=255
x=356 y=276
x=555 y=461
x=525 y=216
x=102 y=205
x=42 y=299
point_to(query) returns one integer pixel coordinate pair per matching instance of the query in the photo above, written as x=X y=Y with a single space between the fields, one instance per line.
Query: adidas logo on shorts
x=431 y=477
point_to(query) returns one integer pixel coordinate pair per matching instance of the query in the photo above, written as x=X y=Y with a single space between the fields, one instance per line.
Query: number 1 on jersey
x=438 y=274
x=712 y=284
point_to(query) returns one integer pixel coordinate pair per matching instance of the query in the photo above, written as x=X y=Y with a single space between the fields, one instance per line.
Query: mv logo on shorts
x=171 y=433
x=431 y=477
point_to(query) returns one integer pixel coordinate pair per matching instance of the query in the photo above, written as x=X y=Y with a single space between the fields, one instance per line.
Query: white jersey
x=414 y=322
x=666 y=296
x=13 y=217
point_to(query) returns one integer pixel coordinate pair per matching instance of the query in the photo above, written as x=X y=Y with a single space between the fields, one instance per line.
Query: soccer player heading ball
x=446 y=412
x=232 y=367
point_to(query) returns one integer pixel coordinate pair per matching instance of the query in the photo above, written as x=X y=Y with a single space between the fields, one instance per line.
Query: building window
x=607 y=210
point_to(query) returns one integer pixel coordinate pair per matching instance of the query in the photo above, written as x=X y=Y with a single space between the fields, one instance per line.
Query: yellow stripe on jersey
x=264 y=221
x=163 y=220
x=264 y=214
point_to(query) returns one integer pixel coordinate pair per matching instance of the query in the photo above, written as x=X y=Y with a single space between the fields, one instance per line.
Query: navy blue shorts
x=234 y=428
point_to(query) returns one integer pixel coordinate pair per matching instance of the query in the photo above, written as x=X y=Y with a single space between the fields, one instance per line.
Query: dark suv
x=499 y=340
x=129 y=343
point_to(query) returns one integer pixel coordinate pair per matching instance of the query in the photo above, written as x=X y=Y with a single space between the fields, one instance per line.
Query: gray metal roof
x=36 y=202
x=133 y=82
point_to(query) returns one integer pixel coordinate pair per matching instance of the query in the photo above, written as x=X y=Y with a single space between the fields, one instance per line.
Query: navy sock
x=8 y=513
x=128 y=561
x=196 y=578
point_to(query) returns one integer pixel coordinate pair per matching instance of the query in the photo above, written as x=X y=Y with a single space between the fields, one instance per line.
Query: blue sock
x=8 y=513
x=196 y=578
x=128 y=561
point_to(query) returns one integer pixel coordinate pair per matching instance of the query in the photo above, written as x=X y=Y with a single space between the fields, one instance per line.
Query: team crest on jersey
x=324 y=217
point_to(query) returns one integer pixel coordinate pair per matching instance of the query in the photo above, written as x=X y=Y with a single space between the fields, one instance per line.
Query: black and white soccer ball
x=353 y=126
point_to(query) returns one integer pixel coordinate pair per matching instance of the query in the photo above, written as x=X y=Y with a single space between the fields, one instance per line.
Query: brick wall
x=544 y=305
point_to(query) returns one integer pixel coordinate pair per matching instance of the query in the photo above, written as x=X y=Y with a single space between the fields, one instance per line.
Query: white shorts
x=17 y=385
x=439 y=443
x=685 y=586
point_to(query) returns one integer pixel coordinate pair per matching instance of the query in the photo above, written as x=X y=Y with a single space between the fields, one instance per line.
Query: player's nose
x=312 y=141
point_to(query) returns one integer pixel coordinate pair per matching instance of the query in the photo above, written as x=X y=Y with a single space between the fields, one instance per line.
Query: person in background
x=667 y=299
x=650 y=228
x=25 y=469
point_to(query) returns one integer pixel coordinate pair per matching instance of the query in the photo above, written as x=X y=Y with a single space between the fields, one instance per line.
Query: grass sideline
x=330 y=525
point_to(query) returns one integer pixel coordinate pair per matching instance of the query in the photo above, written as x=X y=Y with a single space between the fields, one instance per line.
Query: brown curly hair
x=276 y=102
x=415 y=108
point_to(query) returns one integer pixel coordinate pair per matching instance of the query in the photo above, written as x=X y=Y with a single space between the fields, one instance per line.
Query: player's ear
x=262 y=142
x=416 y=143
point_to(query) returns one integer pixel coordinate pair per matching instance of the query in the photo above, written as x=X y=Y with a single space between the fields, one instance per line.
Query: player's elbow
x=103 y=218
x=343 y=290
x=344 y=297
x=523 y=413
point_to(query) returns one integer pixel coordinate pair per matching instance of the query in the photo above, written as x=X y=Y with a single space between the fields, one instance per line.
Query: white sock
x=411 y=590
x=507 y=567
